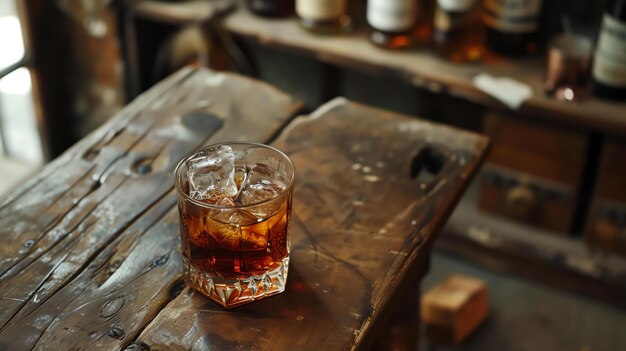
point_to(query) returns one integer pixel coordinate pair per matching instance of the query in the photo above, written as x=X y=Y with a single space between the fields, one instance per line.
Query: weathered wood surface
x=364 y=220
x=423 y=69
x=89 y=244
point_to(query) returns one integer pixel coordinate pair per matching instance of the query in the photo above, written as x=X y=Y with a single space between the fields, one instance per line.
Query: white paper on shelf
x=509 y=91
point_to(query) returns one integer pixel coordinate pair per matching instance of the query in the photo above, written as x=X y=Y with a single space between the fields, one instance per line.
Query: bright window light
x=11 y=42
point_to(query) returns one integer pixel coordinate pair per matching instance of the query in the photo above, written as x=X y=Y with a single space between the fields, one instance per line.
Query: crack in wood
x=70 y=281
x=44 y=231
x=106 y=139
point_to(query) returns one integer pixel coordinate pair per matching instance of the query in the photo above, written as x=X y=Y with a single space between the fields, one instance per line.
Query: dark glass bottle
x=609 y=64
x=424 y=26
x=392 y=22
x=324 y=16
x=457 y=32
x=512 y=26
x=271 y=8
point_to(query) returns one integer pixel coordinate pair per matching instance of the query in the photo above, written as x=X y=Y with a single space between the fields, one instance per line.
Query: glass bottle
x=609 y=64
x=457 y=32
x=271 y=8
x=392 y=22
x=512 y=26
x=324 y=16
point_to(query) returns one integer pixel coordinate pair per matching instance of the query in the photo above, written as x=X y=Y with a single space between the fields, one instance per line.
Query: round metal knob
x=520 y=200
x=605 y=229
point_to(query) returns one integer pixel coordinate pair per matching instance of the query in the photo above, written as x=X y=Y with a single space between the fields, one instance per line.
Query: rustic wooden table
x=91 y=256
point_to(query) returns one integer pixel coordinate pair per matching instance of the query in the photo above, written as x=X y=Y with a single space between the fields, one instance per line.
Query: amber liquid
x=458 y=36
x=511 y=42
x=340 y=25
x=234 y=251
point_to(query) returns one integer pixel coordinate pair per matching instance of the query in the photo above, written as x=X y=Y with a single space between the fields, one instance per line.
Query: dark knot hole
x=426 y=166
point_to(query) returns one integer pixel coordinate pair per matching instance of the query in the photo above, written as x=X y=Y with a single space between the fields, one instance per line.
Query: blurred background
x=544 y=224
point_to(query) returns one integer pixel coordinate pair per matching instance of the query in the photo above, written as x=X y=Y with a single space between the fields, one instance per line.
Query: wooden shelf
x=423 y=69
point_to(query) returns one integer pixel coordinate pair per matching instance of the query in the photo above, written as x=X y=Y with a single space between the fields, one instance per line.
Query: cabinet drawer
x=606 y=222
x=533 y=172
x=526 y=198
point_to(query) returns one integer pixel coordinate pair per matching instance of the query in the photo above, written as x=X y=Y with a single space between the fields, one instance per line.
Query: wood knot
x=28 y=243
x=159 y=261
x=137 y=346
x=177 y=288
x=426 y=167
x=427 y=159
x=116 y=333
x=143 y=166
x=113 y=267
x=201 y=122
x=91 y=154
x=112 y=307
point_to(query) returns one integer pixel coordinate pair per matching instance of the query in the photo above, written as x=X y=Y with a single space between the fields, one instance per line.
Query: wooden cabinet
x=533 y=172
x=606 y=220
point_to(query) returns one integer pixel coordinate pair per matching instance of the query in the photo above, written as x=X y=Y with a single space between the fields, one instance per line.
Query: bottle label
x=513 y=16
x=391 y=15
x=456 y=5
x=609 y=66
x=609 y=73
x=321 y=9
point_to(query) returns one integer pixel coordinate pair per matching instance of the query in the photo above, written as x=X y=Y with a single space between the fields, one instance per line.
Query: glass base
x=341 y=25
x=230 y=293
x=394 y=41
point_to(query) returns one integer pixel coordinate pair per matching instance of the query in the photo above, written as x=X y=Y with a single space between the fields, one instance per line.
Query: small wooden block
x=454 y=308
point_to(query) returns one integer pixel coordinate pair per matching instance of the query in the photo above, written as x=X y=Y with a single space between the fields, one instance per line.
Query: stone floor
x=527 y=316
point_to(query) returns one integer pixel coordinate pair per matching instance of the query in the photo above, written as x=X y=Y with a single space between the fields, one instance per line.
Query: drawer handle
x=520 y=200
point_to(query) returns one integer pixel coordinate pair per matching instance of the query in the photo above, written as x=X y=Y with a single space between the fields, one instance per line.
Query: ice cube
x=261 y=184
x=254 y=237
x=211 y=174
x=231 y=215
x=228 y=236
x=236 y=229
x=240 y=176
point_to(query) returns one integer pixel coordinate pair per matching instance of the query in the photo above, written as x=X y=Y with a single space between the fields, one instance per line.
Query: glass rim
x=193 y=152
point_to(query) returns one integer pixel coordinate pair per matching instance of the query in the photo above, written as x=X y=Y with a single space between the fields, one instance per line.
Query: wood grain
x=362 y=227
x=88 y=255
